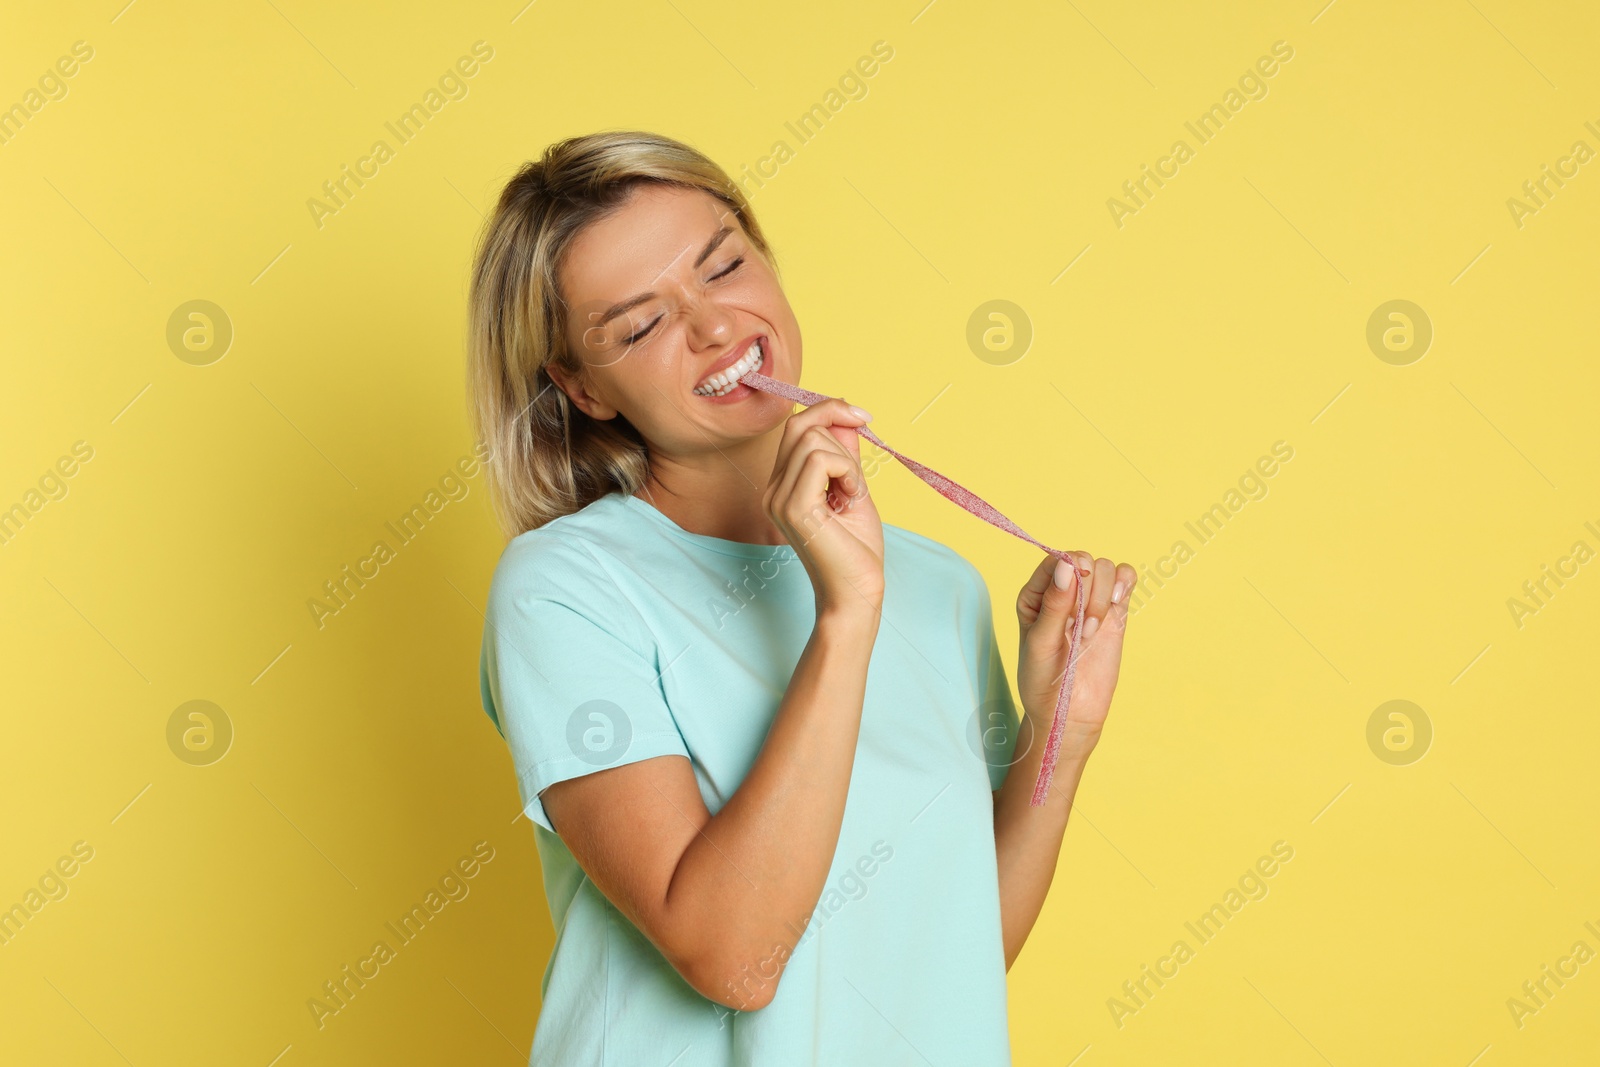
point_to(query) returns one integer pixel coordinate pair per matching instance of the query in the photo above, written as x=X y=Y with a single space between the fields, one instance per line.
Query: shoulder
x=565 y=559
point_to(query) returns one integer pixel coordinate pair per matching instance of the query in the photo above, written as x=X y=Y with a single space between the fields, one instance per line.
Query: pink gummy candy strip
x=981 y=508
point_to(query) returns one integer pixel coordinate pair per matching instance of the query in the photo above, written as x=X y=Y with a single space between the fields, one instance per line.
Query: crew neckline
x=742 y=549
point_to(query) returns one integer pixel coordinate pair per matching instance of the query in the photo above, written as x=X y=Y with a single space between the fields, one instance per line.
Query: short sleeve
x=997 y=716
x=568 y=670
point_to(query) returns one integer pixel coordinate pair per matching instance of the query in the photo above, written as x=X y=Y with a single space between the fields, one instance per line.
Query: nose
x=710 y=324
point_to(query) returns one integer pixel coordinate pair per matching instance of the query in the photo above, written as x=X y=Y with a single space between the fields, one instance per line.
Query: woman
x=766 y=740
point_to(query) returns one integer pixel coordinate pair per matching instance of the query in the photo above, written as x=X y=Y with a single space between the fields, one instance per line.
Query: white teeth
x=722 y=383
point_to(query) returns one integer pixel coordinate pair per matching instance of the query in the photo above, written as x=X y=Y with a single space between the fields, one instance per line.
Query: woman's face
x=661 y=294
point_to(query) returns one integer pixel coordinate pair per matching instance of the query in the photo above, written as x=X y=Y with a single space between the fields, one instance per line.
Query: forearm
x=748 y=882
x=1028 y=839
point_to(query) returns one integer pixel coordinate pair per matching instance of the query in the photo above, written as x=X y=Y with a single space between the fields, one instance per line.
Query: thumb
x=849 y=438
x=1058 y=607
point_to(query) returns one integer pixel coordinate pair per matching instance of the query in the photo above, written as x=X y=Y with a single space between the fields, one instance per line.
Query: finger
x=1099 y=598
x=1100 y=587
x=817 y=438
x=850 y=446
x=1114 y=623
x=845 y=433
x=787 y=468
x=1030 y=598
x=1031 y=595
x=1054 y=587
x=1084 y=564
x=1122 y=587
x=831 y=412
x=807 y=511
x=1085 y=561
x=844 y=492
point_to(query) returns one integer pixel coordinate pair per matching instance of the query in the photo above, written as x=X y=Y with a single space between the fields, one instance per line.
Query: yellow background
x=1229 y=313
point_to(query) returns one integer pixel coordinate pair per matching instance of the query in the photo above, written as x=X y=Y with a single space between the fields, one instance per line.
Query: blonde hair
x=546 y=457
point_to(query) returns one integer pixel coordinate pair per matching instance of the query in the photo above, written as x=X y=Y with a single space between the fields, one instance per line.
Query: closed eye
x=641 y=333
x=729 y=269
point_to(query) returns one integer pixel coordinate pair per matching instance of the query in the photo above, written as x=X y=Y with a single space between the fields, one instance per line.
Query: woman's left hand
x=1046 y=614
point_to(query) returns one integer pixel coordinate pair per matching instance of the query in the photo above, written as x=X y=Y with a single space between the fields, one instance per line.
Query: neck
x=718 y=493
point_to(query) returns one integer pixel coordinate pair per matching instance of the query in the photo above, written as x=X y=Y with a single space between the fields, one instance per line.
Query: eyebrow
x=633 y=302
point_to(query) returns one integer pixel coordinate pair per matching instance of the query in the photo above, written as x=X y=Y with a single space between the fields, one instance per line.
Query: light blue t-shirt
x=615 y=635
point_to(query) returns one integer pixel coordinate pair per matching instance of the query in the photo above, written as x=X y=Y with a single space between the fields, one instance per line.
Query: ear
x=579 y=396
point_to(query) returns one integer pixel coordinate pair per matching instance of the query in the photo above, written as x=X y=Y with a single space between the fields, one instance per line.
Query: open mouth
x=726 y=381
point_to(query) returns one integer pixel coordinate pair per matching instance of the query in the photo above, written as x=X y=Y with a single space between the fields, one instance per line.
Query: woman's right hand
x=818 y=497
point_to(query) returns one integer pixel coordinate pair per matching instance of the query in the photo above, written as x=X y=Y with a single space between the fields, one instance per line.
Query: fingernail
x=1117 y=591
x=860 y=413
x=1090 y=626
x=1063 y=575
